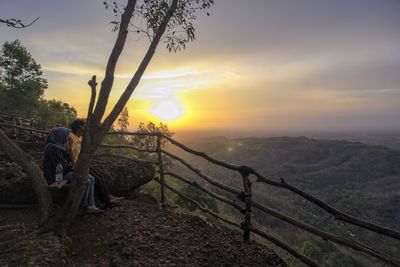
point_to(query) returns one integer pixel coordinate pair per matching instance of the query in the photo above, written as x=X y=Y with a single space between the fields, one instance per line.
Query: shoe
x=94 y=211
x=116 y=200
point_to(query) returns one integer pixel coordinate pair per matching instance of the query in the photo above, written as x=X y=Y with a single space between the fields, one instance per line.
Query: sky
x=273 y=66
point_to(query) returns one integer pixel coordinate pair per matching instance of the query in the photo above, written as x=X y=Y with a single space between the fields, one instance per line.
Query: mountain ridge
x=359 y=179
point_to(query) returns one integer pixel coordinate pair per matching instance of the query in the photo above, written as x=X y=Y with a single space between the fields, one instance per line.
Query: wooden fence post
x=246 y=225
x=15 y=129
x=161 y=170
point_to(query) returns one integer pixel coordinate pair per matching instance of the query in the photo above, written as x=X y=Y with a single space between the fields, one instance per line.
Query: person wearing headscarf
x=56 y=152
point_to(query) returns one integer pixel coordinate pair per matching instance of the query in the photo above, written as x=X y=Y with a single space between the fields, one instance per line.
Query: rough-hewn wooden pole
x=15 y=129
x=20 y=125
x=161 y=169
x=246 y=225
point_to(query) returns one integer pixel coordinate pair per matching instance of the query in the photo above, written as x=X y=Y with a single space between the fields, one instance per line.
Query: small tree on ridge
x=169 y=21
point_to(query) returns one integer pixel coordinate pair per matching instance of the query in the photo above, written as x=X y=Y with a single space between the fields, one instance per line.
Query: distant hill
x=363 y=180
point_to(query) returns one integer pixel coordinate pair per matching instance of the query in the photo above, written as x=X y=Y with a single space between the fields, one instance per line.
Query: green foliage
x=149 y=15
x=311 y=248
x=53 y=112
x=202 y=198
x=335 y=259
x=21 y=79
x=359 y=179
x=150 y=142
x=123 y=120
x=22 y=88
x=143 y=142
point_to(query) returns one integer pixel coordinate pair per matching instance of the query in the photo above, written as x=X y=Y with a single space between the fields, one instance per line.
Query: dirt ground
x=138 y=233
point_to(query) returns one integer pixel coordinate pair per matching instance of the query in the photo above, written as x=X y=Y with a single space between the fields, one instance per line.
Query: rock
x=123 y=177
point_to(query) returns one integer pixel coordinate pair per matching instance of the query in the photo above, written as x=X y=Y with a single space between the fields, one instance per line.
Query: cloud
x=272 y=62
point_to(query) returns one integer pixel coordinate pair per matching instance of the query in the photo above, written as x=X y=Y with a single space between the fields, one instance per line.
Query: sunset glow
x=280 y=67
x=167 y=110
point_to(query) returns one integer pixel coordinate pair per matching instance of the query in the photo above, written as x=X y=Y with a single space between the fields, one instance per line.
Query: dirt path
x=139 y=233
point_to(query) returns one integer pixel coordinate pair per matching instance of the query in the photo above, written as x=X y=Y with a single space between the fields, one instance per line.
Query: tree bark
x=16 y=154
x=108 y=81
x=96 y=131
x=78 y=185
x=139 y=72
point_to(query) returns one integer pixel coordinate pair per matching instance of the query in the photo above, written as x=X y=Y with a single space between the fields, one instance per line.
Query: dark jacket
x=56 y=151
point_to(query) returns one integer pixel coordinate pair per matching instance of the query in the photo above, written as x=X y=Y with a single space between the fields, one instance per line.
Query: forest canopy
x=22 y=88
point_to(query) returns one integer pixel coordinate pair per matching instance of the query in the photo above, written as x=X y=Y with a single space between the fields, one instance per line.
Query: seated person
x=74 y=143
x=55 y=152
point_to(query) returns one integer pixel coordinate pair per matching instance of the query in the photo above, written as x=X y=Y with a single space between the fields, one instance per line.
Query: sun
x=167 y=110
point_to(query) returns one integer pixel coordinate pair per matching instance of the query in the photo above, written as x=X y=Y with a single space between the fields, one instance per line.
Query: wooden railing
x=19 y=127
x=245 y=202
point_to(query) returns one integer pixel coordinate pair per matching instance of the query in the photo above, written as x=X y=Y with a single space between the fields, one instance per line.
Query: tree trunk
x=96 y=130
x=78 y=185
x=16 y=154
x=108 y=81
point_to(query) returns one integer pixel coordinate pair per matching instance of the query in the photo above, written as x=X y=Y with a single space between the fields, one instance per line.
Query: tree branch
x=14 y=23
x=139 y=72
x=16 y=154
x=108 y=81
x=90 y=129
x=92 y=83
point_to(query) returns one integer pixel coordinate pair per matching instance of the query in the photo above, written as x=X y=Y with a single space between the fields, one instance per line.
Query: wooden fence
x=19 y=128
x=244 y=202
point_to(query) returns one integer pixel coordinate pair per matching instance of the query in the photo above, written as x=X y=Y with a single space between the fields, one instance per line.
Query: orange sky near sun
x=255 y=65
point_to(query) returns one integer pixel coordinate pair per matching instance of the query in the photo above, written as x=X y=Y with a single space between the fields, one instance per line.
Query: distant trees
x=201 y=198
x=312 y=249
x=326 y=254
x=149 y=142
x=22 y=88
x=123 y=120
x=21 y=78
x=167 y=21
x=55 y=113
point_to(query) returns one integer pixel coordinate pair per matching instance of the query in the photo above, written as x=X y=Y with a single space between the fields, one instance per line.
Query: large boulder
x=123 y=176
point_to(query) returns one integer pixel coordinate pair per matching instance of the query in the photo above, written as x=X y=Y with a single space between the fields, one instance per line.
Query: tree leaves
x=149 y=14
x=22 y=88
